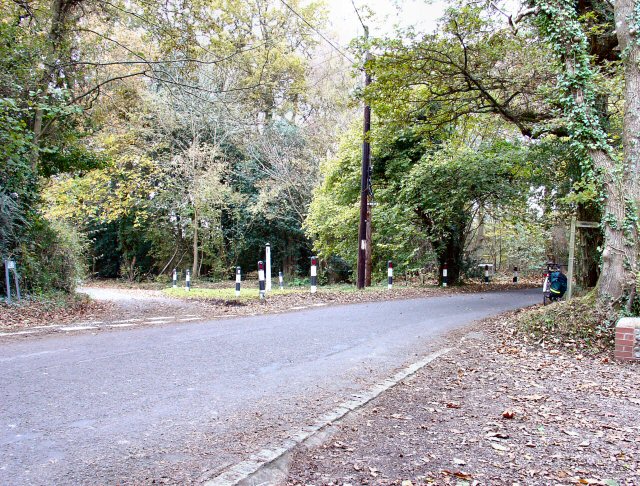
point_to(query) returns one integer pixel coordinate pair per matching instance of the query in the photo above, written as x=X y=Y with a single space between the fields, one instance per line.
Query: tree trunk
x=564 y=31
x=628 y=40
x=194 y=268
x=452 y=255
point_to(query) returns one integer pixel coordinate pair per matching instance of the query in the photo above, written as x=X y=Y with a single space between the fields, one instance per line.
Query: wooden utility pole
x=364 y=180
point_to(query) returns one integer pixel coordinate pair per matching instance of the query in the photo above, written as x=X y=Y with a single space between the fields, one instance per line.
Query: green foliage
x=51 y=258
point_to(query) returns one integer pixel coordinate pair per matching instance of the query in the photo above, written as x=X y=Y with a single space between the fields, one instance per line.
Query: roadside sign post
x=10 y=267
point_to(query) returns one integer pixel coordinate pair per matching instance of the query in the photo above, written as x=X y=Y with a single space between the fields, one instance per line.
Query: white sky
x=343 y=22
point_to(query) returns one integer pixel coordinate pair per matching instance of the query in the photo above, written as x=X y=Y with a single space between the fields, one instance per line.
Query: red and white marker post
x=261 y=278
x=314 y=274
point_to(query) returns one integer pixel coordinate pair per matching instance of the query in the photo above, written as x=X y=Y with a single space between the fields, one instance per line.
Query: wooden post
x=572 y=250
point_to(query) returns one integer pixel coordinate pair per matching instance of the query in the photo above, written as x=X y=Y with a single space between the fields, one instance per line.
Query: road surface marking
x=124 y=324
x=159 y=318
x=77 y=328
x=17 y=333
x=189 y=319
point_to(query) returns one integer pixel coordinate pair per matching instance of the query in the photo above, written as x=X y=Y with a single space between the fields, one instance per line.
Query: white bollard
x=445 y=275
x=314 y=274
x=281 y=280
x=486 y=274
x=515 y=274
x=238 y=281
x=261 y=278
x=390 y=275
x=175 y=278
x=188 y=280
x=267 y=257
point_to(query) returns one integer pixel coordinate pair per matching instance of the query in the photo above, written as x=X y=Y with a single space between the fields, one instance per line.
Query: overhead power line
x=333 y=46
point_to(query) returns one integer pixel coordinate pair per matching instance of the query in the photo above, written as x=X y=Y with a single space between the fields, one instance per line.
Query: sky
x=344 y=23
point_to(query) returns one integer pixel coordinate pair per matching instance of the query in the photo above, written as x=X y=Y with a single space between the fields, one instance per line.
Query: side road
x=114 y=307
x=496 y=410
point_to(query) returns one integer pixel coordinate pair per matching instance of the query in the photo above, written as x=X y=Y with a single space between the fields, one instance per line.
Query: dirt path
x=496 y=411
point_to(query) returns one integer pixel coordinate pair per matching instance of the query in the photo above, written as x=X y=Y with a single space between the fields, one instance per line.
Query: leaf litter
x=501 y=409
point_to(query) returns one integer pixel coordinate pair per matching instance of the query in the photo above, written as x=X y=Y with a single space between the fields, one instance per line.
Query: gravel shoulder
x=497 y=410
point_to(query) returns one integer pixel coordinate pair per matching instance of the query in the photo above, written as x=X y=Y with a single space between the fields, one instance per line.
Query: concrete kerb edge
x=242 y=473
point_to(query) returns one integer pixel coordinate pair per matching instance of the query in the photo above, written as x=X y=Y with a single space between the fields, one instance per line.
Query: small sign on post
x=10 y=267
x=445 y=275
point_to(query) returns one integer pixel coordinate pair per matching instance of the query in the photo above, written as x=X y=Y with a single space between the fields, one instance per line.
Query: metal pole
x=572 y=244
x=6 y=275
x=366 y=157
x=15 y=278
x=267 y=257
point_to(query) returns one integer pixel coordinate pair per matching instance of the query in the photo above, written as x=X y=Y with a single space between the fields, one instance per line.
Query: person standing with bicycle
x=555 y=283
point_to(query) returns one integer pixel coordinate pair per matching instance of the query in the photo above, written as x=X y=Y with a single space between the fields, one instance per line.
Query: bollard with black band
x=281 y=280
x=261 y=278
x=314 y=274
x=188 y=279
x=390 y=275
x=486 y=274
x=445 y=275
x=515 y=274
x=238 y=281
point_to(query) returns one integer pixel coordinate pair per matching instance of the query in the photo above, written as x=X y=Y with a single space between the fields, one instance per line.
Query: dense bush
x=51 y=258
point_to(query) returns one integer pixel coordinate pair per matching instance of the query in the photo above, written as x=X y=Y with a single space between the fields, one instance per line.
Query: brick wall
x=628 y=339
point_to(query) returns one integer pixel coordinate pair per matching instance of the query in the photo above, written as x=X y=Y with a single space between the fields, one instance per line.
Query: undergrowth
x=577 y=324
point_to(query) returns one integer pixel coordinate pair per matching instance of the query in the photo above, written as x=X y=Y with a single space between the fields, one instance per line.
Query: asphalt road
x=179 y=403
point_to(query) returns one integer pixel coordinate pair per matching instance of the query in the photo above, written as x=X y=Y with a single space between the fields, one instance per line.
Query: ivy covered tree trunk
x=627 y=19
x=559 y=23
